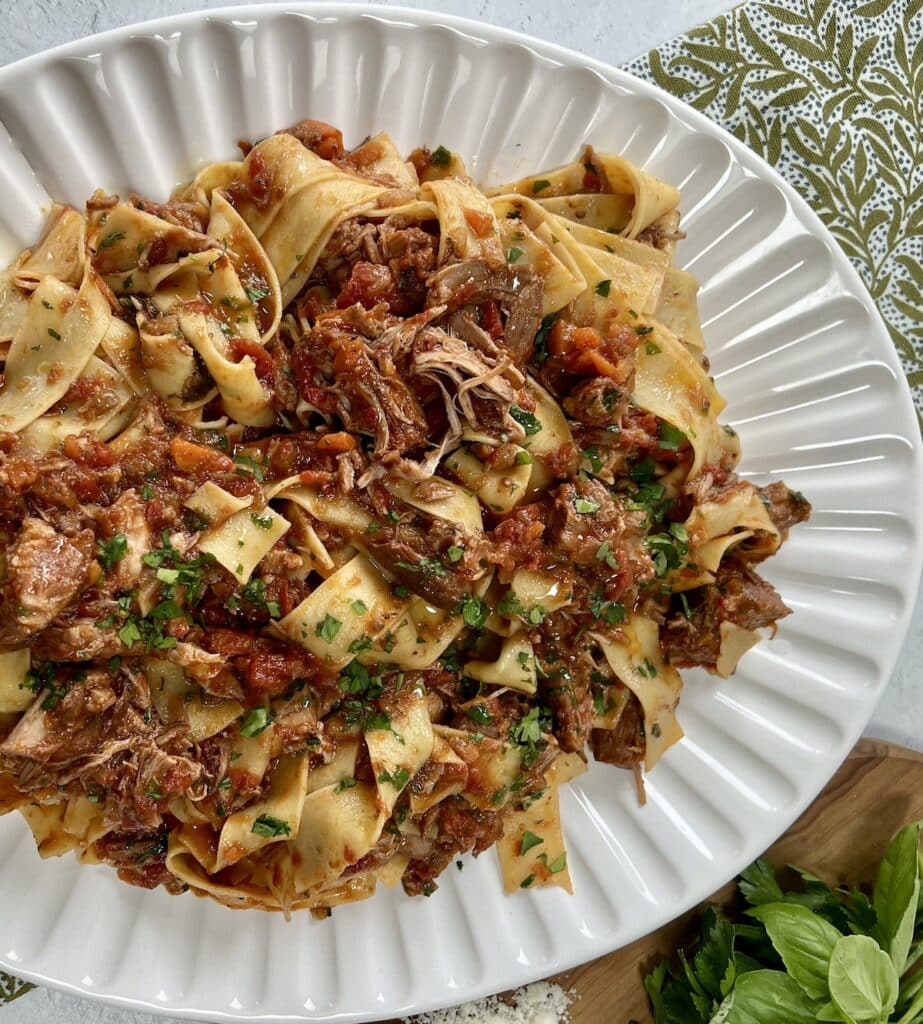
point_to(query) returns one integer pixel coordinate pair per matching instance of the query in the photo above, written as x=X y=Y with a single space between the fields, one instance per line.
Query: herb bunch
x=797 y=957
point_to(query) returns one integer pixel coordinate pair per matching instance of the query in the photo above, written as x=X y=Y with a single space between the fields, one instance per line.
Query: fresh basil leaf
x=862 y=979
x=803 y=940
x=829 y=1012
x=896 y=895
x=766 y=997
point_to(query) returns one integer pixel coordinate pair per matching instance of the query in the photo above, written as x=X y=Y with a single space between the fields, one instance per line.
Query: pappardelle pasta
x=345 y=505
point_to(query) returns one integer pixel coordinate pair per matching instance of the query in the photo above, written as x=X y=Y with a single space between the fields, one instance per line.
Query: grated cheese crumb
x=541 y=1003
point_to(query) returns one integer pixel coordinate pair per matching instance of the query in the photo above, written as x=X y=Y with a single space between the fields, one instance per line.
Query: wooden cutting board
x=841 y=838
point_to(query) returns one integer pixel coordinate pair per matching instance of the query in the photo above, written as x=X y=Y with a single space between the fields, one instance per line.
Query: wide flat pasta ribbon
x=61 y=331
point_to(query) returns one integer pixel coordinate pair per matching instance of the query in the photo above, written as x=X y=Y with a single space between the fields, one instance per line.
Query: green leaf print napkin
x=830 y=92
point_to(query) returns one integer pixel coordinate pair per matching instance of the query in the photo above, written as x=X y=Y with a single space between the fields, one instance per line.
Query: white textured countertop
x=594 y=28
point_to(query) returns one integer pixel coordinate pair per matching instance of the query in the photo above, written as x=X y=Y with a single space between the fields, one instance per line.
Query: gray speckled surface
x=592 y=28
x=33 y=25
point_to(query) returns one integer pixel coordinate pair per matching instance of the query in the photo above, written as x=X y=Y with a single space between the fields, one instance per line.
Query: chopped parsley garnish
x=147 y=492
x=42 y=676
x=510 y=605
x=652 y=349
x=591 y=456
x=668 y=549
x=253 y=593
x=514 y=254
x=358 y=607
x=529 y=840
x=152 y=851
x=149 y=630
x=130 y=634
x=540 y=350
x=250 y=466
x=271 y=828
x=586 y=507
x=475 y=611
x=440 y=157
x=344 y=784
x=610 y=612
x=647 y=669
x=379 y=721
x=527 y=882
x=190 y=572
x=540 y=186
x=398 y=779
x=263 y=522
x=111 y=239
x=643 y=332
x=256 y=722
x=455 y=553
x=360 y=644
x=451 y=660
x=671 y=439
x=328 y=629
x=479 y=714
x=356 y=680
x=557 y=865
x=527 y=734
x=602 y=288
x=610 y=398
x=257 y=294
x=111 y=552
x=54 y=334
x=524 y=459
x=526 y=420
x=605 y=554
x=426 y=565
x=643 y=471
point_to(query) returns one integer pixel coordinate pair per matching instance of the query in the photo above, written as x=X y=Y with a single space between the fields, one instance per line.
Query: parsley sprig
x=527 y=734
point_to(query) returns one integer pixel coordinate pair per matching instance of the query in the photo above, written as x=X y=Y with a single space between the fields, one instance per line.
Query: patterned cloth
x=831 y=93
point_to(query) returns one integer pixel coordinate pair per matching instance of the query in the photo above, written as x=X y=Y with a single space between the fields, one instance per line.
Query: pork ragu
x=344 y=508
